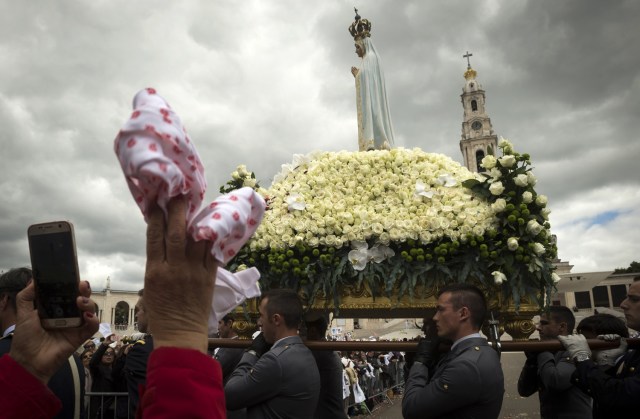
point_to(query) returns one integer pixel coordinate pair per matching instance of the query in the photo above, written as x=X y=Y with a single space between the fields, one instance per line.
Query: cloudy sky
x=257 y=81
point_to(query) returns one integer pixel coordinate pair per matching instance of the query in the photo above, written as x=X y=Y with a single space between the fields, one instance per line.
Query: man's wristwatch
x=582 y=357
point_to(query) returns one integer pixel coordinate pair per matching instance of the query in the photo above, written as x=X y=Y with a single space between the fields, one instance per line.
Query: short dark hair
x=320 y=323
x=228 y=318
x=602 y=324
x=13 y=281
x=286 y=303
x=561 y=314
x=470 y=296
x=140 y=292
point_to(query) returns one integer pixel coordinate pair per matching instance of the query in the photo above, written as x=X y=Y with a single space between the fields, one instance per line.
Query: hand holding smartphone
x=55 y=272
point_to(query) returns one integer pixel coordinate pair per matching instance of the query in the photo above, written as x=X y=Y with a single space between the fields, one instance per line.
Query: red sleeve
x=22 y=395
x=182 y=383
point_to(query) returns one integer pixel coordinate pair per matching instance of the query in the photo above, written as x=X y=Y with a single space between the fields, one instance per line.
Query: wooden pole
x=353 y=345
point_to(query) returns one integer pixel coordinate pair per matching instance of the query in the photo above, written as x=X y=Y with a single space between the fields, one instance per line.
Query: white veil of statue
x=375 y=131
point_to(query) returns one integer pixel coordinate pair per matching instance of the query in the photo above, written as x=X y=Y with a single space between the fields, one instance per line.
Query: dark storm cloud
x=256 y=82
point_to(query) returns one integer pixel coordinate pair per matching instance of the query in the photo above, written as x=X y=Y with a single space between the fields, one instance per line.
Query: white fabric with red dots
x=160 y=162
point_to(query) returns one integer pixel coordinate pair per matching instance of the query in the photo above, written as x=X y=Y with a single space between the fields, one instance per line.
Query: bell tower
x=478 y=138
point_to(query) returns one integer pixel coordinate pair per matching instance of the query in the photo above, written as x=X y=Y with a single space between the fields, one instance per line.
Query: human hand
x=41 y=351
x=575 y=345
x=609 y=357
x=427 y=352
x=179 y=280
x=354 y=71
x=259 y=345
x=611 y=337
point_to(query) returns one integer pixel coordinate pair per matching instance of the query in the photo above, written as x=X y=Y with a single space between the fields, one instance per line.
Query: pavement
x=513 y=406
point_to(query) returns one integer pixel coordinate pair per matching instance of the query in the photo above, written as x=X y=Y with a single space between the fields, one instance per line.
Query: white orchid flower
x=499 y=277
x=358 y=258
x=380 y=252
x=421 y=190
x=446 y=180
x=295 y=202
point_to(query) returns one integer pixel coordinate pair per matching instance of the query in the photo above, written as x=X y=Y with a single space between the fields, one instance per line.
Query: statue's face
x=360 y=49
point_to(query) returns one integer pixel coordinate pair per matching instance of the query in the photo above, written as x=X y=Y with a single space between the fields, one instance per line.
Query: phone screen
x=54 y=266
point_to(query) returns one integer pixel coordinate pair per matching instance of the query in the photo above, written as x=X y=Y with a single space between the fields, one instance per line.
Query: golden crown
x=360 y=28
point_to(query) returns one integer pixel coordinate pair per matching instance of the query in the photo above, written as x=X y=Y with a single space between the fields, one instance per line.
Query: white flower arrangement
x=400 y=218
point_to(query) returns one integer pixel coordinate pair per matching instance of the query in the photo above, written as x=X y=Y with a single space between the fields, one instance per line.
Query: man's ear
x=465 y=313
x=277 y=319
x=564 y=329
x=3 y=301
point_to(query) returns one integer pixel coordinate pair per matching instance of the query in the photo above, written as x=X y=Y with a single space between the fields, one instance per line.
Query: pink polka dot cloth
x=160 y=162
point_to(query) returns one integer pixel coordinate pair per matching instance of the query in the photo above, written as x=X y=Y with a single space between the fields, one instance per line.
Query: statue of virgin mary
x=375 y=131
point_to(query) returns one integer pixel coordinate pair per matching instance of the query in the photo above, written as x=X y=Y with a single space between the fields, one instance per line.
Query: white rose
x=512 y=243
x=507 y=161
x=532 y=178
x=498 y=277
x=527 y=197
x=489 y=162
x=541 y=200
x=521 y=180
x=534 y=227
x=242 y=170
x=249 y=182
x=495 y=173
x=538 y=249
x=496 y=188
x=555 y=277
x=235 y=175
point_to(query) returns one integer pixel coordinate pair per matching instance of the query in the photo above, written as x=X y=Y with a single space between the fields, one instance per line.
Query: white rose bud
x=496 y=188
x=545 y=213
x=503 y=142
x=488 y=162
x=532 y=178
x=555 y=277
x=534 y=227
x=499 y=205
x=235 y=175
x=499 y=277
x=538 y=249
x=512 y=243
x=507 y=161
x=521 y=180
x=541 y=200
x=527 y=197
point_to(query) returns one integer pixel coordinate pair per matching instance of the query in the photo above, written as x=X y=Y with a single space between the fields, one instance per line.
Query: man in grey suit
x=468 y=381
x=549 y=373
x=281 y=382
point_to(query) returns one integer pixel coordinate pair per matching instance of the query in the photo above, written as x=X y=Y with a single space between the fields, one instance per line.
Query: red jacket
x=180 y=383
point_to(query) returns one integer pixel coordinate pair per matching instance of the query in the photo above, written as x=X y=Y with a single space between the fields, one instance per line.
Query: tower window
x=474 y=105
x=479 y=157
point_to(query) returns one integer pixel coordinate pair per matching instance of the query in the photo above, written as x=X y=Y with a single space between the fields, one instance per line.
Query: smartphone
x=55 y=273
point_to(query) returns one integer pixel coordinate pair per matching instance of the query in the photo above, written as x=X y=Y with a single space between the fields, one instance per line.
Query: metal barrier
x=107 y=405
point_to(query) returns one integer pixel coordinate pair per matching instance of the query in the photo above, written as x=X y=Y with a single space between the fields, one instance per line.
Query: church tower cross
x=467 y=55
